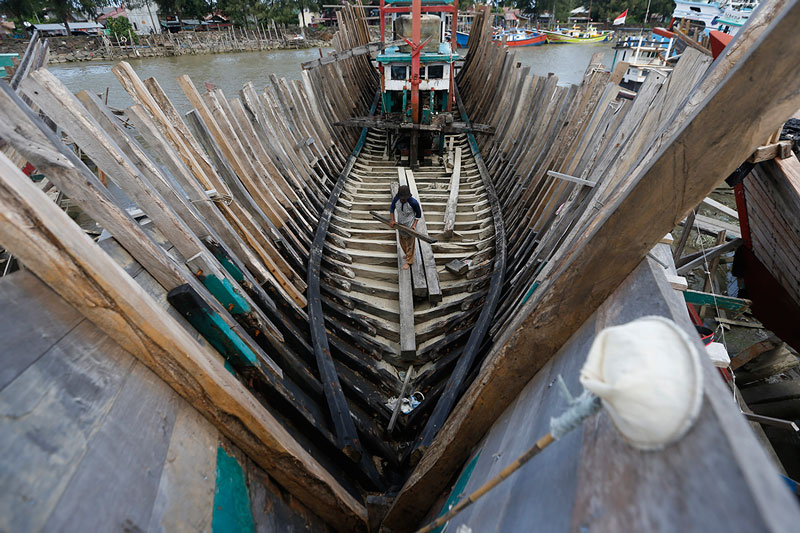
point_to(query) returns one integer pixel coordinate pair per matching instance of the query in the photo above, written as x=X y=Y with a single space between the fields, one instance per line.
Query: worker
x=408 y=214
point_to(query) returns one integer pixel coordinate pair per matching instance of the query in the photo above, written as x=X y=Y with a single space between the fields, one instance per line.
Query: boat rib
x=364 y=293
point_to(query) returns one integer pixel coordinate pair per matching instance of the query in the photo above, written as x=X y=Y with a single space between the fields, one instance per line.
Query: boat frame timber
x=584 y=277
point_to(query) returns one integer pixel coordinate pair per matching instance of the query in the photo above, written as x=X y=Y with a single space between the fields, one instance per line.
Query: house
x=145 y=18
x=579 y=15
x=306 y=17
x=76 y=28
x=216 y=21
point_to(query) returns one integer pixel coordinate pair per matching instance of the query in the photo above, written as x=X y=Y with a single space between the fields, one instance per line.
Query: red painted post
x=383 y=21
x=416 y=23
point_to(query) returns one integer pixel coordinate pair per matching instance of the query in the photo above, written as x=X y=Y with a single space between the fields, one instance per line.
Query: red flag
x=621 y=19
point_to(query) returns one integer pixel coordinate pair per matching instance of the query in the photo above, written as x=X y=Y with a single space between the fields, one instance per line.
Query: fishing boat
x=462 y=38
x=243 y=351
x=519 y=37
x=727 y=16
x=643 y=55
x=576 y=34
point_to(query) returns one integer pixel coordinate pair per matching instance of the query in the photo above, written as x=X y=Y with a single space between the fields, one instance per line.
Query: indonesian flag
x=621 y=19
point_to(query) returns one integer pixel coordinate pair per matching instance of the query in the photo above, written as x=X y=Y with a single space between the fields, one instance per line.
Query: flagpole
x=647 y=14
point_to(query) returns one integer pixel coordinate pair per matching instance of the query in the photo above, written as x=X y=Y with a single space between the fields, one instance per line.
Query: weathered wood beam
x=744 y=93
x=698 y=259
x=404 y=229
x=781 y=150
x=344 y=427
x=716 y=300
x=452 y=200
x=405 y=292
x=567 y=177
x=721 y=207
x=352 y=52
x=58 y=252
x=434 y=290
x=452 y=127
x=419 y=282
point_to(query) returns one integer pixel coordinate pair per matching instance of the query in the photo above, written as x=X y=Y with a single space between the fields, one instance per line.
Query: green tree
x=21 y=10
x=122 y=27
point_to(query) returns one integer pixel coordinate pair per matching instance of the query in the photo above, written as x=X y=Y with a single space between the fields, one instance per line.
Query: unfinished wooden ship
x=241 y=350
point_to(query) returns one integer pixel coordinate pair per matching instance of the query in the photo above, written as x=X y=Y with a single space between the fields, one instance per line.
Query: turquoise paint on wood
x=723 y=302
x=232 y=512
x=223 y=291
x=219 y=335
x=232 y=269
x=457 y=493
x=530 y=291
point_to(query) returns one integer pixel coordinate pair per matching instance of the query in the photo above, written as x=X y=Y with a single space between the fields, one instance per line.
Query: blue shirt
x=408 y=210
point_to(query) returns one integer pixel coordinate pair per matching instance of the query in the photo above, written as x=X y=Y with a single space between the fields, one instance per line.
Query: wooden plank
x=769 y=363
x=418 y=279
x=573 y=179
x=753 y=351
x=51 y=246
x=716 y=300
x=405 y=291
x=33 y=321
x=721 y=207
x=352 y=52
x=713 y=226
x=53 y=97
x=123 y=460
x=740 y=88
x=431 y=273
x=452 y=200
x=45 y=151
x=780 y=150
x=709 y=255
x=50 y=414
x=417 y=234
x=687 y=229
x=185 y=496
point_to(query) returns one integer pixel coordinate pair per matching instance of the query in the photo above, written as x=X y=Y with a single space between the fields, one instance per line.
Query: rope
x=579 y=410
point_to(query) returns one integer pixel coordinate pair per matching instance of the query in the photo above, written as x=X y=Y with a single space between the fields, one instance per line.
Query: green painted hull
x=555 y=37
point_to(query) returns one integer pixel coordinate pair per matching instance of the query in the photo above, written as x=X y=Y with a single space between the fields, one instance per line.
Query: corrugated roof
x=72 y=26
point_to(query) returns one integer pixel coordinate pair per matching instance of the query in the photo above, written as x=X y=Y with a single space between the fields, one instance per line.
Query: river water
x=230 y=71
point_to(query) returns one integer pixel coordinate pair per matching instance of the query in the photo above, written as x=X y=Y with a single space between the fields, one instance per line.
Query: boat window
x=693 y=8
x=435 y=72
x=398 y=73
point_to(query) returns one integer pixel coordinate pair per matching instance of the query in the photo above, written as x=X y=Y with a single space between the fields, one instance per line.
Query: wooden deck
x=104 y=443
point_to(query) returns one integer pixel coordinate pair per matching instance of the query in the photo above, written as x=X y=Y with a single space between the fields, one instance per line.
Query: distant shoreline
x=78 y=49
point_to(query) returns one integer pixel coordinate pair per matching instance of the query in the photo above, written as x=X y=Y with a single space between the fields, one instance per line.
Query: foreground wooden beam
x=352 y=52
x=745 y=97
x=53 y=247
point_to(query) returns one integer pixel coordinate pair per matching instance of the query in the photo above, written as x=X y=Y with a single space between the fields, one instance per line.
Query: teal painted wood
x=458 y=489
x=223 y=291
x=232 y=512
x=723 y=302
x=211 y=326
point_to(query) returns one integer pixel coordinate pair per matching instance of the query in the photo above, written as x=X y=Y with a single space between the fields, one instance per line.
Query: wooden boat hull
x=534 y=40
x=556 y=37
